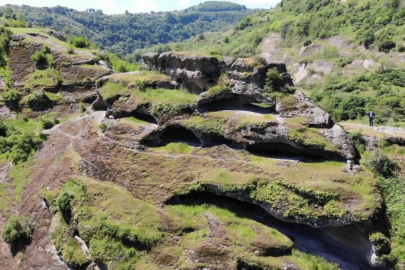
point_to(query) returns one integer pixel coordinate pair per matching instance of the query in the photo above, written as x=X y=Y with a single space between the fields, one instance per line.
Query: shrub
x=64 y=202
x=307 y=42
x=12 y=98
x=39 y=57
x=386 y=46
x=17 y=229
x=353 y=107
x=274 y=80
x=79 y=42
x=44 y=56
x=121 y=68
x=103 y=127
x=82 y=107
x=381 y=242
x=71 y=50
x=381 y=164
x=37 y=99
x=142 y=84
x=3 y=129
x=49 y=120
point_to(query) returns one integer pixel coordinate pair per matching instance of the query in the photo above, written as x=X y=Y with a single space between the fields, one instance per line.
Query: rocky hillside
x=348 y=56
x=194 y=162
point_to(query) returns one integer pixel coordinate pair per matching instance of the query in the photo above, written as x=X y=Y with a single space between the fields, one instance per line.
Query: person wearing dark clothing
x=371 y=115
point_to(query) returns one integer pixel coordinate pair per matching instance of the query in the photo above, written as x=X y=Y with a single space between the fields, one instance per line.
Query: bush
x=3 y=129
x=71 y=50
x=64 y=202
x=12 y=98
x=79 y=42
x=307 y=42
x=274 y=80
x=353 y=107
x=39 y=57
x=386 y=46
x=49 y=120
x=381 y=242
x=17 y=229
x=44 y=56
x=38 y=99
x=381 y=164
x=103 y=127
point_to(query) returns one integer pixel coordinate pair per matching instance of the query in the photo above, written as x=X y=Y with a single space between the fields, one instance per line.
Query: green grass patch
x=258 y=121
x=136 y=77
x=73 y=255
x=136 y=120
x=210 y=125
x=43 y=78
x=108 y=218
x=175 y=148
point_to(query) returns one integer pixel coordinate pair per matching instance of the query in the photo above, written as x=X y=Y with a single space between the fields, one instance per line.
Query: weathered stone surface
x=305 y=108
x=20 y=58
x=99 y=104
x=196 y=73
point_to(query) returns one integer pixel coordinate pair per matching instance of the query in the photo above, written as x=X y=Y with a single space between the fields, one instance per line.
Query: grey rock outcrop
x=303 y=107
x=99 y=104
x=196 y=73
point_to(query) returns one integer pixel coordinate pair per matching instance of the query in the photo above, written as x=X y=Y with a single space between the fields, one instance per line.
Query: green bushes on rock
x=386 y=46
x=44 y=56
x=49 y=120
x=22 y=139
x=381 y=164
x=12 y=98
x=79 y=42
x=73 y=191
x=381 y=242
x=17 y=229
x=73 y=254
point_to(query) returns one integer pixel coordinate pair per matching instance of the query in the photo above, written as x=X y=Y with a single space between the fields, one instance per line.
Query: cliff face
x=297 y=126
x=41 y=62
x=199 y=163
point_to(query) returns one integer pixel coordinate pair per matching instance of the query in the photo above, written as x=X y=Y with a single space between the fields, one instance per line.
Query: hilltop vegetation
x=349 y=52
x=122 y=34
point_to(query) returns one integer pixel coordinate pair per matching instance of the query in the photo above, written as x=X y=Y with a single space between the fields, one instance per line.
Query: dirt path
x=383 y=130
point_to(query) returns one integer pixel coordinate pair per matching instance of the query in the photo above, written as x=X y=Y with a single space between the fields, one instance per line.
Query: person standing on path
x=371 y=115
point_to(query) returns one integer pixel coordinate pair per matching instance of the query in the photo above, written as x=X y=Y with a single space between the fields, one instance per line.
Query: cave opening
x=181 y=134
x=214 y=140
x=347 y=246
x=283 y=149
x=143 y=117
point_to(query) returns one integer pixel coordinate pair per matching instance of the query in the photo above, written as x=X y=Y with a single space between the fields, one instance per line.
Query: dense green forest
x=122 y=34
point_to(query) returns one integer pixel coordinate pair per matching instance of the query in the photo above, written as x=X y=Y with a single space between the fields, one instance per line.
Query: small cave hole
x=143 y=117
x=286 y=150
x=235 y=103
x=180 y=134
x=216 y=140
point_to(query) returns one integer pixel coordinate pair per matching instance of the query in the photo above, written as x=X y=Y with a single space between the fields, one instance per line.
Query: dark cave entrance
x=180 y=134
x=286 y=150
x=143 y=117
x=346 y=246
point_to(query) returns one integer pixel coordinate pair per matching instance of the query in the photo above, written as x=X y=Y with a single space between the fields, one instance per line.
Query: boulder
x=303 y=107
